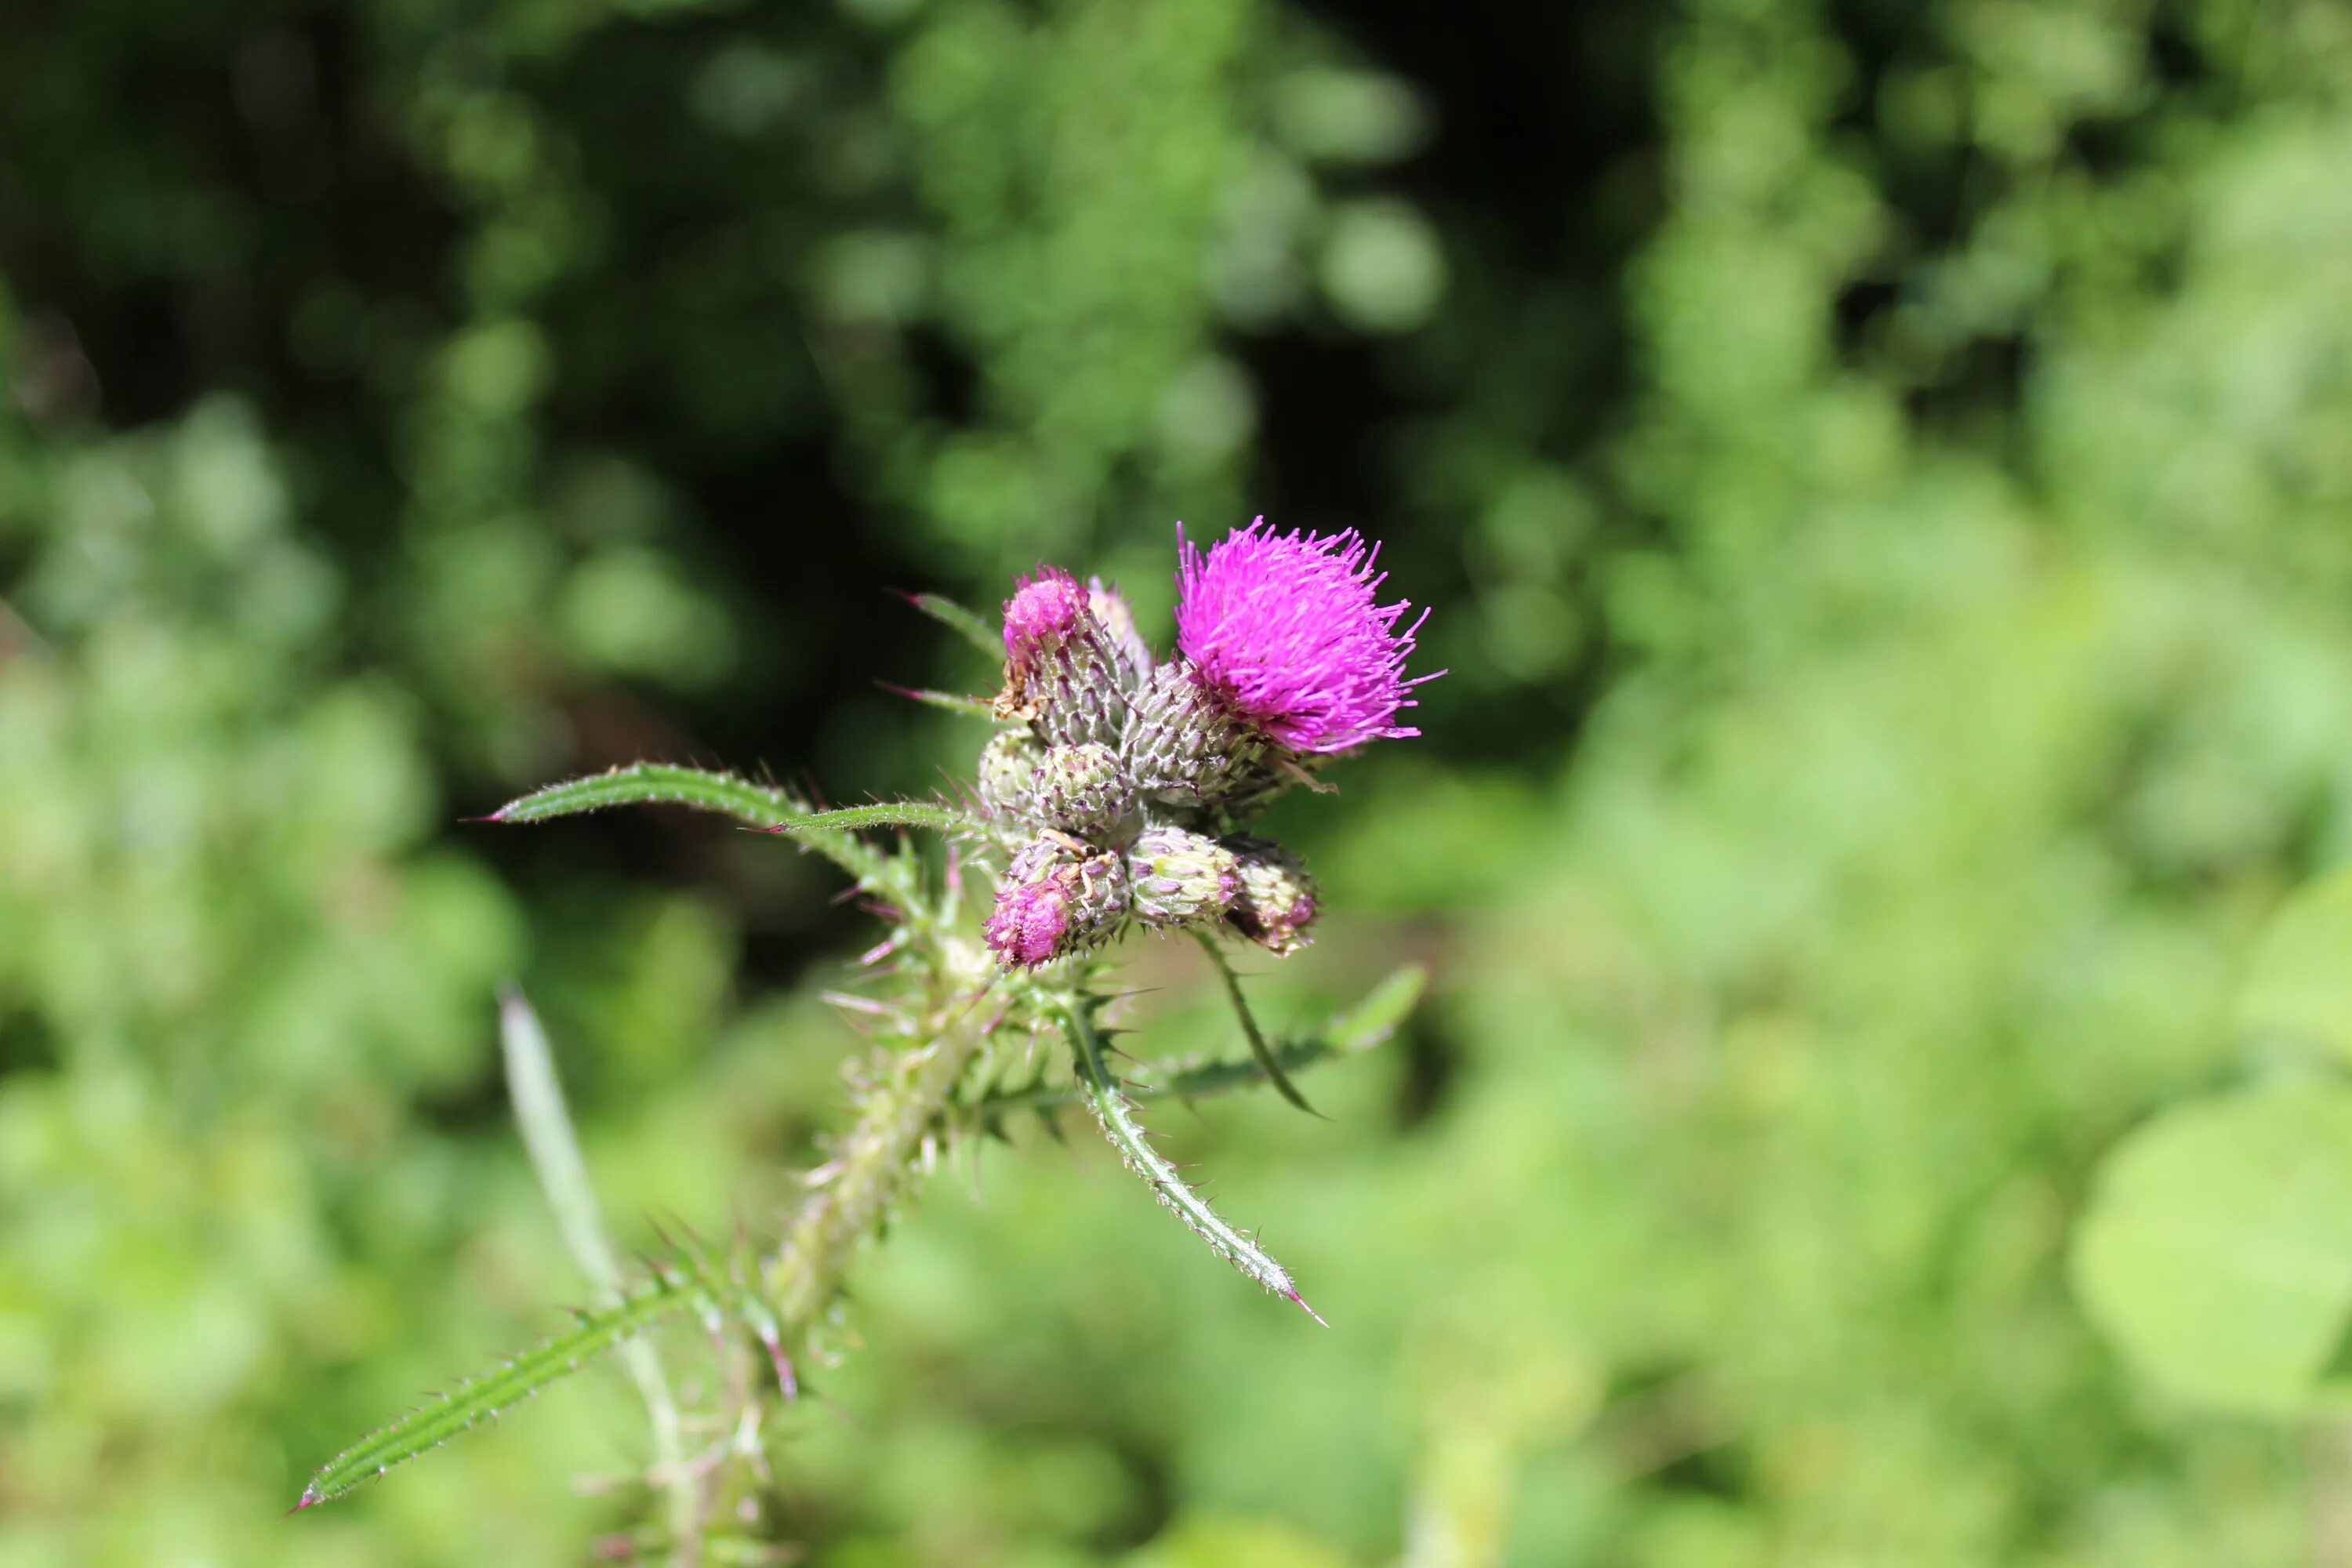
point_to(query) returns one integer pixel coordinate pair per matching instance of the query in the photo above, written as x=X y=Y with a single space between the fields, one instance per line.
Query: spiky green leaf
x=657 y=784
x=832 y=833
x=671 y=1292
x=1365 y=1026
x=946 y=701
x=960 y=621
x=1111 y=1107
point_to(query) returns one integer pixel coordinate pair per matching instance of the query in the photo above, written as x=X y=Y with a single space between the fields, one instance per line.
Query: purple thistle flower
x=1286 y=634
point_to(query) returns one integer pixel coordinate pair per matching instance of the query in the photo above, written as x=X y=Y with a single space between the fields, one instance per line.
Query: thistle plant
x=1114 y=797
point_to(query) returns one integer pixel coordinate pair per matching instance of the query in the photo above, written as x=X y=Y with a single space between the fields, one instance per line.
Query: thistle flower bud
x=1180 y=877
x=1081 y=790
x=1057 y=899
x=1182 y=746
x=1007 y=782
x=1060 y=671
x=1276 y=902
x=1133 y=654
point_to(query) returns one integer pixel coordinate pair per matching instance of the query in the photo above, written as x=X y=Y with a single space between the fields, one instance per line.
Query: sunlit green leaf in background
x=2299 y=980
x=2217 y=1251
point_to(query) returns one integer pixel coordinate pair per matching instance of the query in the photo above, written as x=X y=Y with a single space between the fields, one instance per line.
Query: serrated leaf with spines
x=697 y=789
x=946 y=701
x=675 y=1287
x=772 y=810
x=1127 y=1135
x=1363 y=1027
x=831 y=833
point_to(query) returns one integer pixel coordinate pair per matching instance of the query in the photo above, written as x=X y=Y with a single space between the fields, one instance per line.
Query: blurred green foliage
x=1881 y=475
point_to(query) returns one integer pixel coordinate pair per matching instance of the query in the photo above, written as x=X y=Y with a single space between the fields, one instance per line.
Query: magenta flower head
x=1030 y=921
x=1287 y=634
x=1046 y=611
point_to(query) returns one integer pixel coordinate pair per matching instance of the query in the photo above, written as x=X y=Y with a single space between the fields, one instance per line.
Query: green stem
x=1259 y=1052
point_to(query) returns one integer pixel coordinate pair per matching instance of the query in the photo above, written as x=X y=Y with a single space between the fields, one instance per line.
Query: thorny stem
x=888 y=1146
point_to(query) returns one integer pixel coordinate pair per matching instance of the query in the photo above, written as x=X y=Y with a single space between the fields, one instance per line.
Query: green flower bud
x=1080 y=790
x=1181 y=746
x=1007 y=783
x=1182 y=878
x=1120 y=633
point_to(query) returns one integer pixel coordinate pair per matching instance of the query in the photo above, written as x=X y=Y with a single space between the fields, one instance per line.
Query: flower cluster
x=1121 y=783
